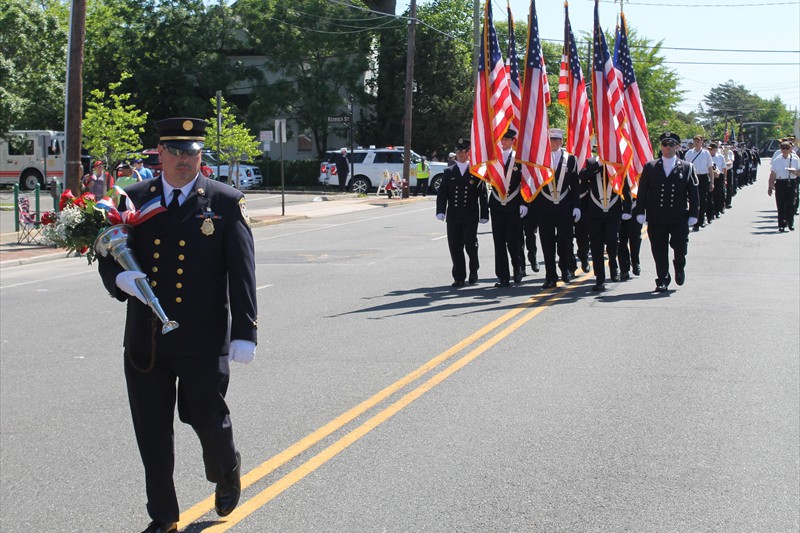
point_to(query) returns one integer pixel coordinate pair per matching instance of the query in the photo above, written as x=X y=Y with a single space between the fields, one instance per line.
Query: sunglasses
x=177 y=152
x=669 y=143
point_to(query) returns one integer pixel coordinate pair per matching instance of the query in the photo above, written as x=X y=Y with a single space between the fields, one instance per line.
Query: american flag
x=493 y=110
x=534 y=136
x=512 y=66
x=572 y=95
x=640 y=139
x=613 y=144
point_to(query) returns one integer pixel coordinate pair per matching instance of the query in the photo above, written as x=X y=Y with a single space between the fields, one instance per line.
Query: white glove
x=523 y=210
x=626 y=216
x=440 y=216
x=640 y=219
x=242 y=351
x=577 y=214
x=692 y=221
x=126 y=281
x=483 y=220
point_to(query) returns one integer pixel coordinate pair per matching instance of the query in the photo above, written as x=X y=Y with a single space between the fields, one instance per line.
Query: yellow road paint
x=259 y=500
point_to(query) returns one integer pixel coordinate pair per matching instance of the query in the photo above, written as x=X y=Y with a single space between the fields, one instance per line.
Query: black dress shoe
x=791 y=228
x=473 y=278
x=565 y=277
x=228 y=491
x=781 y=229
x=615 y=275
x=637 y=270
x=661 y=287
x=457 y=284
x=680 y=277
x=625 y=276
x=502 y=283
x=518 y=276
x=535 y=267
x=548 y=284
x=161 y=527
x=696 y=228
x=585 y=265
x=599 y=287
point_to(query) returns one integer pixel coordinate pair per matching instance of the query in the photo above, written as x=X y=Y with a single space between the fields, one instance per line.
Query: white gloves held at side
x=440 y=216
x=126 y=281
x=640 y=219
x=692 y=221
x=523 y=210
x=242 y=351
x=483 y=220
x=577 y=214
x=626 y=216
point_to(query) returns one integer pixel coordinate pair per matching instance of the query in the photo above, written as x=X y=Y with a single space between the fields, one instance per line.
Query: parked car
x=370 y=164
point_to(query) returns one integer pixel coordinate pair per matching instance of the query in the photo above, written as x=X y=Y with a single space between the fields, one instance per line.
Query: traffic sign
x=338 y=119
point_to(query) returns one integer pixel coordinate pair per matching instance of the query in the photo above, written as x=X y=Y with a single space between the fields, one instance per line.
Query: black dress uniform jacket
x=187 y=264
x=462 y=197
x=550 y=200
x=598 y=203
x=665 y=198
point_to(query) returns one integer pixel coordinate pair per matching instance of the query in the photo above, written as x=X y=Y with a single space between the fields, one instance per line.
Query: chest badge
x=207 y=228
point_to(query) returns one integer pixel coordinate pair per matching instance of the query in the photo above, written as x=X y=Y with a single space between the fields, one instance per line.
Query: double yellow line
x=544 y=300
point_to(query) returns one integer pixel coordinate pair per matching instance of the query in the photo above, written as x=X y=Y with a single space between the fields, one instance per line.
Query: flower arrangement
x=76 y=226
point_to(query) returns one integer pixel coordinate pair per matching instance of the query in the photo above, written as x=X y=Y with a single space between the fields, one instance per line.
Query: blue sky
x=772 y=25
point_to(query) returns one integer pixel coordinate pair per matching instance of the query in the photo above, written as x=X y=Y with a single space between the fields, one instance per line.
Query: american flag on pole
x=533 y=140
x=493 y=110
x=640 y=139
x=512 y=66
x=613 y=141
x=572 y=95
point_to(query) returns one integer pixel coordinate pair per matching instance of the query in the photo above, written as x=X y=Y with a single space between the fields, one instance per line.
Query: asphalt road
x=383 y=400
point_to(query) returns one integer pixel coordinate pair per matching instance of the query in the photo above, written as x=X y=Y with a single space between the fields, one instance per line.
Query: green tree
x=318 y=51
x=33 y=44
x=732 y=104
x=236 y=143
x=111 y=126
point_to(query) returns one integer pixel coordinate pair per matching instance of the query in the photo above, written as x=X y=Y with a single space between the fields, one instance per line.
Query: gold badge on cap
x=152 y=188
x=201 y=191
x=207 y=228
x=187 y=125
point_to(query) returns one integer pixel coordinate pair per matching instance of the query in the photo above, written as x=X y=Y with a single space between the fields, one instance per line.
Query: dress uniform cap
x=670 y=135
x=509 y=134
x=462 y=144
x=182 y=133
x=556 y=133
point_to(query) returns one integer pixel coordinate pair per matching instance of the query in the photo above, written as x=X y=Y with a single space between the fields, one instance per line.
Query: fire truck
x=29 y=157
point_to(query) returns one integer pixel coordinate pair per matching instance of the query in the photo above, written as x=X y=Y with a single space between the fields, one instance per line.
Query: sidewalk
x=321 y=205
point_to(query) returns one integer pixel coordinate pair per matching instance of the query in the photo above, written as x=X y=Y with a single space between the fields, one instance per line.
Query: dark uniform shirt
x=462 y=197
x=667 y=199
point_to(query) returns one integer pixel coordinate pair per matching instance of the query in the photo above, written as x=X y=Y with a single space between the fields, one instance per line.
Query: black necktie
x=174 y=204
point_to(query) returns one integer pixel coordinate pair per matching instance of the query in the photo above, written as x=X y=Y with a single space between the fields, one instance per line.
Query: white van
x=28 y=157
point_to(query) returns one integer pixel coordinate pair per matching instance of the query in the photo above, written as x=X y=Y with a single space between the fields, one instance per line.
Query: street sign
x=338 y=119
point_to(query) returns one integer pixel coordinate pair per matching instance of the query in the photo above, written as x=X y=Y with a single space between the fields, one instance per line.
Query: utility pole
x=73 y=170
x=476 y=39
x=409 y=103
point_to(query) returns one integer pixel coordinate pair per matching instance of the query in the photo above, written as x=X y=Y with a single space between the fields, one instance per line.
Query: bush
x=296 y=174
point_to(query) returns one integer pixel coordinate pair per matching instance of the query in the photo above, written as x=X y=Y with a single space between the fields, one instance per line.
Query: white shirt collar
x=185 y=190
x=462 y=166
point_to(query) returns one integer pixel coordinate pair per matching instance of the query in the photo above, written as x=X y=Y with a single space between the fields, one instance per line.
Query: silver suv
x=369 y=165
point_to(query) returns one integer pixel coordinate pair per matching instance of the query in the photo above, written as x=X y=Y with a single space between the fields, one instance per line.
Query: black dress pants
x=630 y=243
x=662 y=237
x=461 y=237
x=718 y=196
x=528 y=229
x=702 y=189
x=604 y=233
x=199 y=385
x=506 y=227
x=555 y=231
x=784 y=201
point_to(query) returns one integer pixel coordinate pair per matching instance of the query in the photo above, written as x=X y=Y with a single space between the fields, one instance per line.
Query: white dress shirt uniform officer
x=668 y=202
x=701 y=159
x=198 y=256
x=782 y=180
x=557 y=209
x=461 y=201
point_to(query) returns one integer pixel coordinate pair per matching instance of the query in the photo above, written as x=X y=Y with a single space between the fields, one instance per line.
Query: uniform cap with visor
x=182 y=133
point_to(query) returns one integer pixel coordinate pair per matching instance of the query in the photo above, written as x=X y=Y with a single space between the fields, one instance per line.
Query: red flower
x=88 y=196
x=49 y=218
x=67 y=198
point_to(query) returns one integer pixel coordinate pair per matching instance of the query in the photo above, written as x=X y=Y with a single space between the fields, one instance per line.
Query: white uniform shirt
x=719 y=160
x=669 y=163
x=700 y=159
x=780 y=166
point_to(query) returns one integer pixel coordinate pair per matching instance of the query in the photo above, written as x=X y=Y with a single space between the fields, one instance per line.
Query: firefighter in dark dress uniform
x=603 y=212
x=557 y=209
x=461 y=201
x=630 y=237
x=505 y=214
x=668 y=201
x=197 y=254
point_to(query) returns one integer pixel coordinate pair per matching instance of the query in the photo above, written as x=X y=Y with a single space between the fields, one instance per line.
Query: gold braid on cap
x=182 y=138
